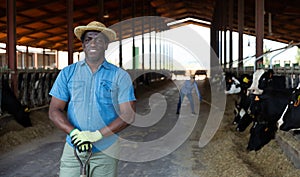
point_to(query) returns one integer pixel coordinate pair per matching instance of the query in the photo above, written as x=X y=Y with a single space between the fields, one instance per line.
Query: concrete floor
x=41 y=157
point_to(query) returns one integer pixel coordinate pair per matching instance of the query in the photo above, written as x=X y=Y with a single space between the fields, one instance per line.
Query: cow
x=232 y=84
x=290 y=119
x=11 y=105
x=240 y=86
x=267 y=106
x=261 y=133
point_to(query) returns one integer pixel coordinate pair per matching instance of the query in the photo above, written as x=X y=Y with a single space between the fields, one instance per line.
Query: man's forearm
x=60 y=120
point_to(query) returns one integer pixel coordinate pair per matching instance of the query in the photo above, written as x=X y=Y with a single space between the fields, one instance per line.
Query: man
x=100 y=100
x=186 y=90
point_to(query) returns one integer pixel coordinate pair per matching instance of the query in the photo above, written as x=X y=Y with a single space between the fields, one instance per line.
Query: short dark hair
x=105 y=37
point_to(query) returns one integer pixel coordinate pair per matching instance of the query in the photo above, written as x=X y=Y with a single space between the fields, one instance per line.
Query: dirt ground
x=13 y=134
x=224 y=156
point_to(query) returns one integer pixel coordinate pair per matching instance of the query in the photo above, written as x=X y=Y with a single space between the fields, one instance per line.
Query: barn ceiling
x=43 y=23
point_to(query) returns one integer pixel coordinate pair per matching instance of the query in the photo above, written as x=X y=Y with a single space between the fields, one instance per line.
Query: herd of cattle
x=33 y=89
x=265 y=102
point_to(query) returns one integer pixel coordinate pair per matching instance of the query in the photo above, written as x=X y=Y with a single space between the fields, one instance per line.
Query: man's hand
x=85 y=147
x=74 y=132
x=84 y=137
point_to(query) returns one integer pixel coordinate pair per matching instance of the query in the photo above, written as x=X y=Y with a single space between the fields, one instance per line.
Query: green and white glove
x=85 y=147
x=84 y=137
x=74 y=132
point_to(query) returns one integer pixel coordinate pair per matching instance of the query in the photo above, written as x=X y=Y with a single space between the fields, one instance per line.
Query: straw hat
x=95 y=26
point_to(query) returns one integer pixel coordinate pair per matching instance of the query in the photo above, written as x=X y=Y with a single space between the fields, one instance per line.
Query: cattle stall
x=289 y=141
x=32 y=86
x=292 y=74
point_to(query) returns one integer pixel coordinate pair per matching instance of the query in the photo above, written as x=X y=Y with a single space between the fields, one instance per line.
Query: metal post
x=259 y=30
x=70 y=30
x=240 y=31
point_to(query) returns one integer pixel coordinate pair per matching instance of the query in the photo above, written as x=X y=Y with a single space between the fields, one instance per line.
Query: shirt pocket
x=77 y=90
x=106 y=92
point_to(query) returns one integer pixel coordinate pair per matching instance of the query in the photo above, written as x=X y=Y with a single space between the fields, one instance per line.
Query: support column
x=230 y=20
x=27 y=57
x=101 y=10
x=44 y=58
x=70 y=31
x=155 y=44
x=143 y=36
x=134 y=57
x=120 y=34
x=259 y=30
x=11 y=33
x=241 y=8
x=11 y=43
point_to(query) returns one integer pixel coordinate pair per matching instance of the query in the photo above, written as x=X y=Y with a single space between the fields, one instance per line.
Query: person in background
x=186 y=90
x=100 y=101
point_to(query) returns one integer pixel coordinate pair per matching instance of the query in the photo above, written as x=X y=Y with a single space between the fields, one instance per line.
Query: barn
x=149 y=33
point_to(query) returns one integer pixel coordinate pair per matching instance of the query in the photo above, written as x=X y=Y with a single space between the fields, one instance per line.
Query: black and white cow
x=240 y=86
x=290 y=118
x=268 y=103
x=11 y=105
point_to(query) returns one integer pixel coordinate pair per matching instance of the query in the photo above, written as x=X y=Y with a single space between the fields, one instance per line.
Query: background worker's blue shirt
x=188 y=87
x=93 y=98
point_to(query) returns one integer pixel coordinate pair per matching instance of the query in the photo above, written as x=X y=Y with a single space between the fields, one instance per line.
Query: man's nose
x=93 y=41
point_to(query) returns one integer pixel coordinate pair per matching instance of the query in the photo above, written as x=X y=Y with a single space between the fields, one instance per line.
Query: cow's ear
x=26 y=110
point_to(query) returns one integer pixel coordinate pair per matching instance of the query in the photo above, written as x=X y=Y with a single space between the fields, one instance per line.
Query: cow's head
x=244 y=122
x=232 y=84
x=261 y=133
x=255 y=105
x=265 y=79
x=290 y=117
x=22 y=117
x=246 y=81
x=254 y=88
x=228 y=80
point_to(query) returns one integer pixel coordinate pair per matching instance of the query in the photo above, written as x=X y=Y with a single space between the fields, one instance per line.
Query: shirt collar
x=105 y=64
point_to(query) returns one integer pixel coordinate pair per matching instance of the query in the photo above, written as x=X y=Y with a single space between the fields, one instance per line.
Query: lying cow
x=11 y=105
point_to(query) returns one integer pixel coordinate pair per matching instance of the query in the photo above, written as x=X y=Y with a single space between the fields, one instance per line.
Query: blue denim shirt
x=93 y=98
x=188 y=87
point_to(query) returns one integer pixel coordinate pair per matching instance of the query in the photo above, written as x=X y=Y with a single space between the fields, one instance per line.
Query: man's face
x=94 y=45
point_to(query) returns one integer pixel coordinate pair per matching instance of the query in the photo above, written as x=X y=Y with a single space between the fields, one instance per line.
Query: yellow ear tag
x=266 y=129
x=256 y=98
x=246 y=80
x=27 y=110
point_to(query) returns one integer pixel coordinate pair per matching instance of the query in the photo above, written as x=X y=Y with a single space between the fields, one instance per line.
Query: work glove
x=85 y=147
x=84 y=137
x=74 y=132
